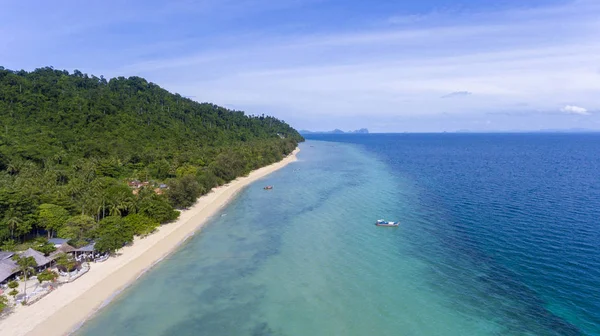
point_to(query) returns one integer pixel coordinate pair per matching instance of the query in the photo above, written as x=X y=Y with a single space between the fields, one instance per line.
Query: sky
x=389 y=66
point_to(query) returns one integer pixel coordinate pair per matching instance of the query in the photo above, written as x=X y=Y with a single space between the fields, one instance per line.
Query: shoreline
x=67 y=308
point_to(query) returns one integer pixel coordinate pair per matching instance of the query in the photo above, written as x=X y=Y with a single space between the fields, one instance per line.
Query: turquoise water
x=306 y=259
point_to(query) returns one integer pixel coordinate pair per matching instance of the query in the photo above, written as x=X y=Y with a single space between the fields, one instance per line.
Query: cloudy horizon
x=428 y=66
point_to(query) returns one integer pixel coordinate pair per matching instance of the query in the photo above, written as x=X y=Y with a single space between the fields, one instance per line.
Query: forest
x=86 y=158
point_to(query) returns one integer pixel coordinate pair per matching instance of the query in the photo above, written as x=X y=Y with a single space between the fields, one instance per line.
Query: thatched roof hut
x=39 y=257
x=64 y=248
x=8 y=267
x=6 y=255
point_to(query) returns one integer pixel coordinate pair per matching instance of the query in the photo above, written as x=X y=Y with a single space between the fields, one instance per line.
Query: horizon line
x=459 y=132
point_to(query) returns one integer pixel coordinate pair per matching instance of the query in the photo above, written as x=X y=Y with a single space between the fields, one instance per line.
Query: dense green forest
x=70 y=143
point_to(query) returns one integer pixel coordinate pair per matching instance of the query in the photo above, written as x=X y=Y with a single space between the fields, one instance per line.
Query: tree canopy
x=70 y=143
x=3 y=303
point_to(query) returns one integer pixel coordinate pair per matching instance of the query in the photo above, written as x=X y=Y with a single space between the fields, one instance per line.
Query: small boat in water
x=381 y=222
x=268 y=187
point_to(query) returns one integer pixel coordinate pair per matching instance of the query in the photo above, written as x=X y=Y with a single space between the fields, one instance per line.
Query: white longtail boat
x=382 y=222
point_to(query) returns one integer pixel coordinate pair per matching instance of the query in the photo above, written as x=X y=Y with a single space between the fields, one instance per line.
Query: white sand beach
x=66 y=308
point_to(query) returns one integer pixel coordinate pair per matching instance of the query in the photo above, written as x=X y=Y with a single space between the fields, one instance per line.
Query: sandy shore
x=63 y=310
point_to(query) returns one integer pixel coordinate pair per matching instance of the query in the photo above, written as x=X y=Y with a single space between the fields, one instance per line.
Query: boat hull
x=390 y=225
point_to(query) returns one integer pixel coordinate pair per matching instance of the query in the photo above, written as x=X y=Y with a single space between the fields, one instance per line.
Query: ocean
x=499 y=235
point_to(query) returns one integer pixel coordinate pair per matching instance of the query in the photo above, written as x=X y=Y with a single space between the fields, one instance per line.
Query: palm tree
x=59 y=157
x=26 y=265
x=75 y=188
x=65 y=262
x=13 y=222
x=95 y=200
x=120 y=202
x=92 y=202
x=13 y=168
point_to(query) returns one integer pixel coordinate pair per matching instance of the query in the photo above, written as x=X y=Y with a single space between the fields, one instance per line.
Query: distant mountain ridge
x=336 y=131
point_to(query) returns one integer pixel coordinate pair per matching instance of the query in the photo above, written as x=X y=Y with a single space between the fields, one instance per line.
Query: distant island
x=336 y=131
x=548 y=130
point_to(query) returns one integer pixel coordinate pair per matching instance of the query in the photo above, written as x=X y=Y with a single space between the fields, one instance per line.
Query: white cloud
x=572 y=109
x=506 y=57
x=405 y=19
x=514 y=61
x=457 y=94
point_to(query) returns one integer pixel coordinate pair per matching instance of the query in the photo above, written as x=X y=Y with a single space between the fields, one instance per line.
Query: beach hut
x=64 y=248
x=6 y=255
x=87 y=251
x=87 y=248
x=8 y=268
x=41 y=260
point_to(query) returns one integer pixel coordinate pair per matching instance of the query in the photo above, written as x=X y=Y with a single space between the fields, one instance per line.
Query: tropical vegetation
x=47 y=275
x=3 y=303
x=73 y=148
x=26 y=266
x=64 y=263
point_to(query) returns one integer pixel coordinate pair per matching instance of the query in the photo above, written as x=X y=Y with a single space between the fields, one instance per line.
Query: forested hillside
x=70 y=143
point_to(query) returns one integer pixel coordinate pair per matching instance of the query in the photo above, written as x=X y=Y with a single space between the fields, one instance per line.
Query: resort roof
x=5 y=255
x=40 y=259
x=7 y=268
x=57 y=241
x=64 y=248
x=87 y=248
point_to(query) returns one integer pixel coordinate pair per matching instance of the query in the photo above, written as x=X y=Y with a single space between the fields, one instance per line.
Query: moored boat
x=268 y=187
x=382 y=222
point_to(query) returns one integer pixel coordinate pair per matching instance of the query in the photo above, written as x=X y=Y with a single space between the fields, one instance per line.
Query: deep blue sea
x=499 y=235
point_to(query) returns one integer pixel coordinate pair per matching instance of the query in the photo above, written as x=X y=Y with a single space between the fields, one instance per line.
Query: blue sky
x=390 y=66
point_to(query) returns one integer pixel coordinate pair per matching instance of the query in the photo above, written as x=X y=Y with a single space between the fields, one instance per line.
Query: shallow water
x=499 y=236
